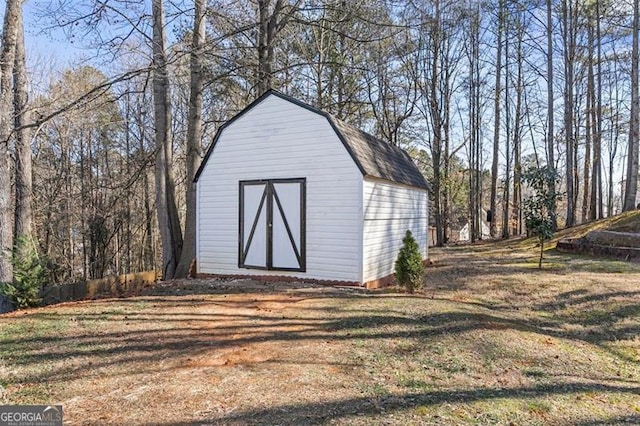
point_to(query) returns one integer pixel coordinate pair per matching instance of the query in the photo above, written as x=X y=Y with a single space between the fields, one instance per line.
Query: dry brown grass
x=491 y=340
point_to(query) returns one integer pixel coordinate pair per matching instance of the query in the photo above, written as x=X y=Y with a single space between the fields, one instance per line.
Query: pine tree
x=409 y=268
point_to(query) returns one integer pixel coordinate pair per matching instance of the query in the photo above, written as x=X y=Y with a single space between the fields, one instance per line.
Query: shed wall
x=277 y=139
x=389 y=210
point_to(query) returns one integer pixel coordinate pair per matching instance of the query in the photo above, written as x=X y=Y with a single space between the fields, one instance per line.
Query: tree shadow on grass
x=580 y=297
x=183 y=334
x=619 y=420
x=324 y=412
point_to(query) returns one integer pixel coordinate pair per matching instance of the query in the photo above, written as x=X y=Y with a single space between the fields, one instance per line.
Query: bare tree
x=569 y=34
x=475 y=141
x=614 y=119
x=496 y=119
x=12 y=15
x=24 y=182
x=392 y=90
x=271 y=21
x=441 y=49
x=596 y=204
x=631 y=186
x=517 y=125
x=551 y=162
x=168 y=220
x=589 y=125
x=433 y=95
x=194 y=135
x=507 y=143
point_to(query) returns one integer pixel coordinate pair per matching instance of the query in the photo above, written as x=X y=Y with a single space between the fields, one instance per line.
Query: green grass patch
x=31 y=394
x=423 y=411
x=538 y=407
x=415 y=384
x=535 y=373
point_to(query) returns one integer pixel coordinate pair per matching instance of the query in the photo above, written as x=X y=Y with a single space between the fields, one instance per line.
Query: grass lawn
x=490 y=340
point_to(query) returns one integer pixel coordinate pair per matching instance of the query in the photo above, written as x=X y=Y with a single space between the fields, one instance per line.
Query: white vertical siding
x=278 y=139
x=389 y=210
x=361 y=233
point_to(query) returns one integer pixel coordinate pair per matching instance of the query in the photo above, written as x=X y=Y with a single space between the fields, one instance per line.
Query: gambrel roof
x=374 y=157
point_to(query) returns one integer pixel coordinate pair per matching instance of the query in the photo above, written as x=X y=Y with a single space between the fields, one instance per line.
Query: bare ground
x=491 y=340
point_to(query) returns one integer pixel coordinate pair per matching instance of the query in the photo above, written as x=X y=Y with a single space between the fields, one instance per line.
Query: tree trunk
x=473 y=126
x=12 y=14
x=614 y=96
x=506 y=191
x=436 y=123
x=264 y=66
x=168 y=222
x=517 y=138
x=194 y=137
x=541 y=253
x=588 y=128
x=446 y=193
x=595 y=196
x=270 y=22
x=631 y=186
x=496 y=123
x=130 y=194
x=446 y=129
x=148 y=253
x=595 y=199
x=24 y=181
x=550 y=113
x=475 y=142
x=569 y=62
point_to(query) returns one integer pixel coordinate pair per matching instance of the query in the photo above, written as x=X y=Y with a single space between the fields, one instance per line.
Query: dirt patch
x=246 y=355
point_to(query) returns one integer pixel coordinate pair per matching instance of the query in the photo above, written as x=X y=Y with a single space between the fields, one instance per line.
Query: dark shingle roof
x=374 y=157
x=378 y=158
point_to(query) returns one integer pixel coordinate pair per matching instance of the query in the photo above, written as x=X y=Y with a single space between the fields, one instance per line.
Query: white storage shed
x=288 y=191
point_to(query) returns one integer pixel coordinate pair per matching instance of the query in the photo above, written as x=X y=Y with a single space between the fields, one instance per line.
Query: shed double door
x=272 y=224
